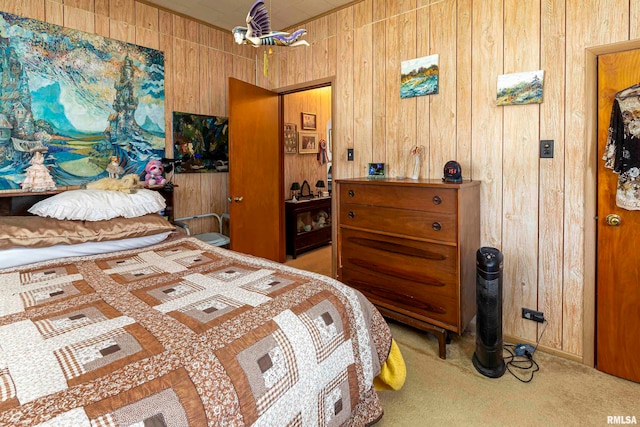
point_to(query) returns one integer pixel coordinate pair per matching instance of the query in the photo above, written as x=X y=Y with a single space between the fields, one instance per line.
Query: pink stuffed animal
x=154 y=171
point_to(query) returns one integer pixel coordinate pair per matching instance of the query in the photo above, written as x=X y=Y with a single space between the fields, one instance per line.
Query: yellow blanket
x=393 y=371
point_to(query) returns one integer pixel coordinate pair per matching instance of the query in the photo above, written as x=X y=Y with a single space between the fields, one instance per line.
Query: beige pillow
x=39 y=232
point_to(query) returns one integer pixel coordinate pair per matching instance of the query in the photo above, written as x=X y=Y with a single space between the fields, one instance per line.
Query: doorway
x=618 y=261
x=307 y=115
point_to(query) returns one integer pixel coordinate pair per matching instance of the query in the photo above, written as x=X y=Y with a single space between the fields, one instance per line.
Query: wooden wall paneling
x=397 y=7
x=293 y=105
x=186 y=196
x=204 y=78
x=487 y=118
x=212 y=37
x=217 y=82
x=87 y=5
x=407 y=108
x=378 y=146
x=123 y=10
x=634 y=18
x=395 y=158
x=443 y=114
x=551 y=186
x=103 y=25
x=308 y=52
x=165 y=20
x=363 y=90
x=186 y=95
x=184 y=28
x=54 y=12
x=520 y=192
x=100 y=7
x=244 y=69
x=166 y=46
x=424 y=118
x=588 y=24
x=30 y=9
x=147 y=26
x=463 y=88
x=302 y=62
x=379 y=10
x=344 y=98
x=319 y=49
x=121 y=30
x=362 y=13
x=79 y=19
x=332 y=56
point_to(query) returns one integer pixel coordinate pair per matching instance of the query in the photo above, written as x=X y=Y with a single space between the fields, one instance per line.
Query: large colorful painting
x=200 y=143
x=84 y=97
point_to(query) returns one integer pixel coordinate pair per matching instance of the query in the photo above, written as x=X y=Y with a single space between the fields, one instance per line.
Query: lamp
x=319 y=186
x=295 y=187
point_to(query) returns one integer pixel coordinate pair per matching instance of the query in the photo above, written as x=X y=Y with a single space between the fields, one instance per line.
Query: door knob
x=238 y=199
x=613 y=220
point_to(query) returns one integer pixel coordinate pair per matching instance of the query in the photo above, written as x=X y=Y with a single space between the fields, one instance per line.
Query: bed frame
x=18 y=203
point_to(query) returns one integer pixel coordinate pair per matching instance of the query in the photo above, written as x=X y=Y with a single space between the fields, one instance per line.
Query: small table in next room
x=308 y=223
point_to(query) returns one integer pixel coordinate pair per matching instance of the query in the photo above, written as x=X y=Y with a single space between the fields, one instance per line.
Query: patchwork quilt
x=183 y=333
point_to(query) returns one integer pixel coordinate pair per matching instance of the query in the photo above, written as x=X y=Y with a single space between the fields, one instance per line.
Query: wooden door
x=618 y=268
x=255 y=171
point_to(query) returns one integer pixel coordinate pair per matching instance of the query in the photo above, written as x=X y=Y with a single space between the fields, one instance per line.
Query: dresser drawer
x=414 y=198
x=410 y=298
x=428 y=225
x=407 y=261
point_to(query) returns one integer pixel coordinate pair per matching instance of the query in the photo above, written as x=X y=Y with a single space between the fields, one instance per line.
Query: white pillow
x=99 y=205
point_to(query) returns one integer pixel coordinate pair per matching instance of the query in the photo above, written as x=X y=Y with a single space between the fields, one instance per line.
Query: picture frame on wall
x=308 y=121
x=290 y=138
x=308 y=142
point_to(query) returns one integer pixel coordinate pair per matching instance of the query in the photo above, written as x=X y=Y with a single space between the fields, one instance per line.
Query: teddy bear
x=154 y=176
x=127 y=184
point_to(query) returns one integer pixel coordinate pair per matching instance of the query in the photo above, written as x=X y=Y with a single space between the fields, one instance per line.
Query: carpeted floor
x=451 y=392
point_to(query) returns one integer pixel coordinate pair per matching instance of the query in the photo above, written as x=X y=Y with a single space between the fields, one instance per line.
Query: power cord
x=521 y=358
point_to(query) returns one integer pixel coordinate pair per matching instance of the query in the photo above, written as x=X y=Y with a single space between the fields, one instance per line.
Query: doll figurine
x=417 y=153
x=258 y=30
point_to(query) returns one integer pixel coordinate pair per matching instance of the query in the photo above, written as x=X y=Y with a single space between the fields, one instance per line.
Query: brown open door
x=618 y=268
x=255 y=171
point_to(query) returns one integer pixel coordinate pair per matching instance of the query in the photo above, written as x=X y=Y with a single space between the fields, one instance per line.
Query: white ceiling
x=227 y=14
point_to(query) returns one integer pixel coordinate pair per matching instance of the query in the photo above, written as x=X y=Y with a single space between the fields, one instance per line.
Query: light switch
x=546 y=149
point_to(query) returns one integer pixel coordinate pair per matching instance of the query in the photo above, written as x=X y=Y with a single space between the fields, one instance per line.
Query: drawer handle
x=436 y=226
x=352 y=193
x=352 y=214
x=437 y=200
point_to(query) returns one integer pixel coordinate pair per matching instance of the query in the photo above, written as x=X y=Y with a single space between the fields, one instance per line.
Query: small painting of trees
x=520 y=88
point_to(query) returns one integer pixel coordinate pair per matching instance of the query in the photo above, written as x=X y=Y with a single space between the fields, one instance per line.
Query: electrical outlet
x=536 y=316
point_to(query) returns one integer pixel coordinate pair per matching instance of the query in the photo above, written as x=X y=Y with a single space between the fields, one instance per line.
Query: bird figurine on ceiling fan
x=258 y=30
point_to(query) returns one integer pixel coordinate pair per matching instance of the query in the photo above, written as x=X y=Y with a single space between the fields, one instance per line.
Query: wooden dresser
x=410 y=246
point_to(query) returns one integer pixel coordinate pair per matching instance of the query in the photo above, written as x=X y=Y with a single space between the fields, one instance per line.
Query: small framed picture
x=308 y=121
x=308 y=142
x=290 y=138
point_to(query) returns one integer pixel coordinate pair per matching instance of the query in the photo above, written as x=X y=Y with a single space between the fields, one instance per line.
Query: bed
x=184 y=333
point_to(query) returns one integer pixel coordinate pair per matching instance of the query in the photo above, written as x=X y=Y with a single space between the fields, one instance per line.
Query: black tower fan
x=488 y=358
